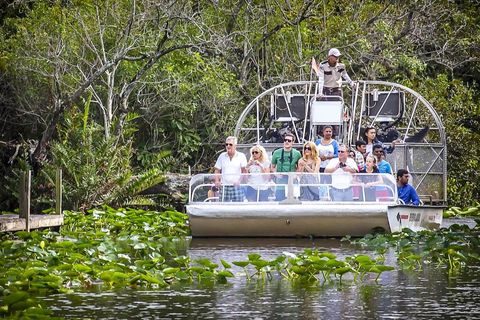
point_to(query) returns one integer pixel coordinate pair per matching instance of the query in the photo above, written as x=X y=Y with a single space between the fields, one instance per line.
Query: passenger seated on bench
x=327 y=147
x=382 y=164
x=257 y=166
x=370 y=135
x=327 y=150
x=370 y=179
x=360 y=153
x=341 y=169
x=309 y=164
x=230 y=164
x=406 y=192
x=284 y=160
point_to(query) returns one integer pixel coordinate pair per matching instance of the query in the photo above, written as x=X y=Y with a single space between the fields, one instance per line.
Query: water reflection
x=429 y=294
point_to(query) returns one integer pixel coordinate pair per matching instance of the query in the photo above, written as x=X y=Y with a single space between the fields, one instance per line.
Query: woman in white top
x=327 y=147
x=370 y=135
x=327 y=150
x=257 y=167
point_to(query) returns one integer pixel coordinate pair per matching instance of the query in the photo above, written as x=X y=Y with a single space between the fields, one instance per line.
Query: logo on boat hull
x=408 y=217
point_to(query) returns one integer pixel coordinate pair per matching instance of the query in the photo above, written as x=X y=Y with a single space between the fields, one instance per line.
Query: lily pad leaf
x=225 y=264
x=241 y=264
x=225 y=273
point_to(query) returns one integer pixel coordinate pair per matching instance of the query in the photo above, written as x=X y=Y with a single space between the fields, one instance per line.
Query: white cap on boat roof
x=334 y=52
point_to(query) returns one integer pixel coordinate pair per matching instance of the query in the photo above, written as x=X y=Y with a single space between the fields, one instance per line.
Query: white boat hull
x=289 y=220
x=416 y=218
x=306 y=220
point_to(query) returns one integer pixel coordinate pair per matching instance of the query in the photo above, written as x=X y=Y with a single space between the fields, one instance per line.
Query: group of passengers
x=326 y=155
x=232 y=163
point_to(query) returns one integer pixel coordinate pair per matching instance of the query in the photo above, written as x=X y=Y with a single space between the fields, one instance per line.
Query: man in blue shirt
x=382 y=164
x=405 y=191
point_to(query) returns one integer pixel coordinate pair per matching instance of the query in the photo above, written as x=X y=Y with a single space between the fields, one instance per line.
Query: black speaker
x=383 y=104
x=296 y=105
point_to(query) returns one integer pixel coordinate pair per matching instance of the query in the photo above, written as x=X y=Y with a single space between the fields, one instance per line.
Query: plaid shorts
x=231 y=194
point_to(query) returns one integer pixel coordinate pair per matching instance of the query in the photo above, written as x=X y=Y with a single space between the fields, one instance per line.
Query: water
x=427 y=294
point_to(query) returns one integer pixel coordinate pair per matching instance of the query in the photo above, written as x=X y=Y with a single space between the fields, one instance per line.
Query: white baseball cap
x=334 y=52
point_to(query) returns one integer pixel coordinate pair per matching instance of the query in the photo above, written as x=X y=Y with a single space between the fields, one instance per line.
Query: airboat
x=399 y=113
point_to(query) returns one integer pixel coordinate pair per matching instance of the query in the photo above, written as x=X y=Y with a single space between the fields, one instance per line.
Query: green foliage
x=473 y=211
x=460 y=111
x=454 y=248
x=93 y=166
x=312 y=266
x=227 y=52
x=119 y=248
x=194 y=114
x=42 y=190
x=97 y=169
x=138 y=249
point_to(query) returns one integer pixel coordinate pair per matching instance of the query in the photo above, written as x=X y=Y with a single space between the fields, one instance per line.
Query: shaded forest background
x=117 y=92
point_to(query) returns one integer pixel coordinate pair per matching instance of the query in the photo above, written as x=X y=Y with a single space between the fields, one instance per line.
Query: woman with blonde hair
x=257 y=167
x=309 y=164
x=310 y=161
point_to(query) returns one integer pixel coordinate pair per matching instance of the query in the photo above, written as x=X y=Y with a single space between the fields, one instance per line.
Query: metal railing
x=293 y=187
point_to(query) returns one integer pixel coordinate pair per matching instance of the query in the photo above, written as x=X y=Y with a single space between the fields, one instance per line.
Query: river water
x=428 y=294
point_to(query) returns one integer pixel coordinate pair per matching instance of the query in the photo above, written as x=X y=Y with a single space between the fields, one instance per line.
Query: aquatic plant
x=105 y=247
x=108 y=248
x=313 y=266
x=473 y=211
x=454 y=248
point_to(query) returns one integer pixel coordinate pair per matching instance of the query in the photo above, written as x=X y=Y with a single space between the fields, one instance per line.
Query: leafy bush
x=97 y=169
x=460 y=112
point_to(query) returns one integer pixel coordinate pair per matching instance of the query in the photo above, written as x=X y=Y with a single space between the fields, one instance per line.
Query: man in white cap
x=330 y=73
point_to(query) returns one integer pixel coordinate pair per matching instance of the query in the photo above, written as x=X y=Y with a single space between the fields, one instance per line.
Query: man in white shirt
x=341 y=169
x=230 y=164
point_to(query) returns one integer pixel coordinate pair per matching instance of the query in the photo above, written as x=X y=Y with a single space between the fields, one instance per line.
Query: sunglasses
x=340 y=151
x=307 y=148
x=228 y=144
x=255 y=152
x=288 y=140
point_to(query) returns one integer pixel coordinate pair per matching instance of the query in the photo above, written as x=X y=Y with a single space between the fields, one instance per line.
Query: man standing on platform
x=330 y=73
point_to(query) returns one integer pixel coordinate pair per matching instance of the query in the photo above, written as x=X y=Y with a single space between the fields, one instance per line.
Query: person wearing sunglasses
x=257 y=167
x=382 y=164
x=284 y=160
x=342 y=169
x=309 y=164
x=230 y=165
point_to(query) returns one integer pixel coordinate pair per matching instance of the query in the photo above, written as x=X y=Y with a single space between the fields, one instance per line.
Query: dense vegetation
x=129 y=248
x=115 y=92
x=107 y=249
